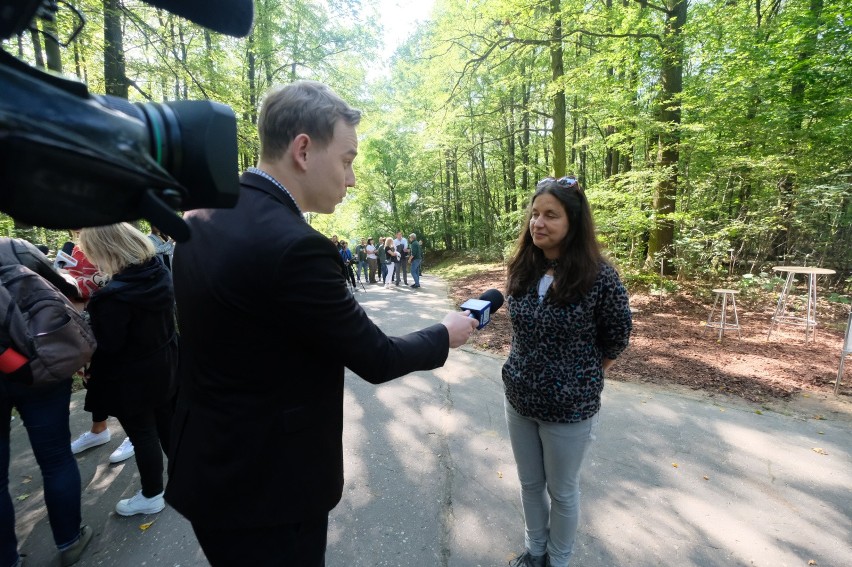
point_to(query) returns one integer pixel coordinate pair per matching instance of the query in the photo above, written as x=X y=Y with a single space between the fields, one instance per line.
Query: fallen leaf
x=758 y=412
x=819 y=417
x=819 y=450
x=811 y=562
x=706 y=477
x=674 y=465
x=820 y=432
x=27 y=479
x=499 y=474
x=23 y=497
x=144 y=527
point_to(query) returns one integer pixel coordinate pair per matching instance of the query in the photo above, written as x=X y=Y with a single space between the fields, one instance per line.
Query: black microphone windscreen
x=68 y=247
x=495 y=297
x=231 y=17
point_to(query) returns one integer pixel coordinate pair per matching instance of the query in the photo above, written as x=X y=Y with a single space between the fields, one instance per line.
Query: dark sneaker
x=526 y=559
x=71 y=555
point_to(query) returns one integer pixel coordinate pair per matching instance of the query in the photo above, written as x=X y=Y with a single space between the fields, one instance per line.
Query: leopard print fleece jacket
x=554 y=370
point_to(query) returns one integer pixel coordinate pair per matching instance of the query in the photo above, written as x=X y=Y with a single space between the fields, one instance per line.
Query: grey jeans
x=549 y=457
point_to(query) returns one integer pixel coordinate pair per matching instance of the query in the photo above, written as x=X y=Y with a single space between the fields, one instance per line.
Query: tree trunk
x=558 y=72
x=525 y=146
x=798 y=85
x=51 y=47
x=661 y=238
x=511 y=179
x=36 y=38
x=115 y=72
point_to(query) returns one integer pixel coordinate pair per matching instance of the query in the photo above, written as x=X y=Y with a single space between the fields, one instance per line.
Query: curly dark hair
x=580 y=255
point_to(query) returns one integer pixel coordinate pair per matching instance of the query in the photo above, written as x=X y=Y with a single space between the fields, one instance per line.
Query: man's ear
x=299 y=148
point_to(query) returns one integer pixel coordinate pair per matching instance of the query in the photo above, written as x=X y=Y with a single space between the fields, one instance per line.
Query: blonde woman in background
x=393 y=261
x=133 y=370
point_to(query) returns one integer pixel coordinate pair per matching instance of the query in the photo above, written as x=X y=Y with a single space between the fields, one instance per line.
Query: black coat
x=133 y=318
x=257 y=437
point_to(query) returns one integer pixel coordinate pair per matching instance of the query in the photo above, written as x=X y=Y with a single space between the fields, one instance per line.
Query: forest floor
x=667 y=346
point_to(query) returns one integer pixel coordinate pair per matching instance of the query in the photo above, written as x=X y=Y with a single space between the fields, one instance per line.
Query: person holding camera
x=261 y=393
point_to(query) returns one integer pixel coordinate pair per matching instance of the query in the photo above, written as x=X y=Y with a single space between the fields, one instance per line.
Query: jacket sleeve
x=612 y=312
x=314 y=292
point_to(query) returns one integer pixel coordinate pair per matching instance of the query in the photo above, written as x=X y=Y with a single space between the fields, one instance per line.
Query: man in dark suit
x=257 y=459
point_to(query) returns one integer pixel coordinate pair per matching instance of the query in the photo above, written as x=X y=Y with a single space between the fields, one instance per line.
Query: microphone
x=64 y=260
x=63 y=257
x=481 y=309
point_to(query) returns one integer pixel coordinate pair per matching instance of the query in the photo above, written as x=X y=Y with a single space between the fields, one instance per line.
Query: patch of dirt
x=667 y=346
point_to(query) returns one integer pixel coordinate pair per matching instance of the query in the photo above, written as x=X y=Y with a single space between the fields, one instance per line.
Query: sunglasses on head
x=563 y=182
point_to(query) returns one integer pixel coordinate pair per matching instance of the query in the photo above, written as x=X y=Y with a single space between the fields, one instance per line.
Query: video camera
x=70 y=159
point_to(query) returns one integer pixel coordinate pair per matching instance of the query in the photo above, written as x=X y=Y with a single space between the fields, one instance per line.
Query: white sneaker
x=88 y=440
x=124 y=451
x=138 y=504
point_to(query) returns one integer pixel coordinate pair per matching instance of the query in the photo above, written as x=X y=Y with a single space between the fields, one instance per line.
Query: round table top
x=803 y=270
x=725 y=291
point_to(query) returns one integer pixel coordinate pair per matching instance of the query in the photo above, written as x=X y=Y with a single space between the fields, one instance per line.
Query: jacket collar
x=260 y=183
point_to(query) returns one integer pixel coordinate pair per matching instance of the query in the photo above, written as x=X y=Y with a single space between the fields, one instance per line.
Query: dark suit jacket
x=257 y=438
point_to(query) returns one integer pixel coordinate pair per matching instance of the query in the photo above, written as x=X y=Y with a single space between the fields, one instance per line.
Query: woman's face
x=548 y=224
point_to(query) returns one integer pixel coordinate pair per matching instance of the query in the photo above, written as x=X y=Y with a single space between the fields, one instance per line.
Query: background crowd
x=385 y=260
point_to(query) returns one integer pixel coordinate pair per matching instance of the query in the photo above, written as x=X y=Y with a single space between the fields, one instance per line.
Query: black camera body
x=70 y=159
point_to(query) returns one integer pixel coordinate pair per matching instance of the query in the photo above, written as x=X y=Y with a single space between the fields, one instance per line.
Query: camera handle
x=162 y=216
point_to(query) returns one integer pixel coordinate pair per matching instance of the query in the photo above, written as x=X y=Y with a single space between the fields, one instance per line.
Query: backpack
x=42 y=325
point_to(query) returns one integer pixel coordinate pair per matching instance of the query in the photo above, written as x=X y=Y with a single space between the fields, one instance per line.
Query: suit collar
x=260 y=183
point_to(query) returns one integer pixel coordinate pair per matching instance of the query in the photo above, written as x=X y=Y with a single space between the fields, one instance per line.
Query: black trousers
x=149 y=431
x=301 y=544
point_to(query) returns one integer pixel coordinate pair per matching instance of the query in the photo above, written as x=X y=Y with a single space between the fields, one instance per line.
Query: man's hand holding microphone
x=462 y=324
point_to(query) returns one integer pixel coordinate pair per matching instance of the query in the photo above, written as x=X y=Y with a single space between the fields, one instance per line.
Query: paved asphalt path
x=674 y=479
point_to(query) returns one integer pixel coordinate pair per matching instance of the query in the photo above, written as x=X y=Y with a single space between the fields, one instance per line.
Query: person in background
x=361 y=258
x=422 y=254
x=164 y=246
x=372 y=260
x=383 y=259
x=266 y=407
x=416 y=259
x=401 y=245
x=89 y=279
x=346 y=257
x=570 y=320
x=393 y=256
x=45 y=413
x=133 y=369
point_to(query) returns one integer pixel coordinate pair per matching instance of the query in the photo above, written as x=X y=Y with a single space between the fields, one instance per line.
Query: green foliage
x=457 y=132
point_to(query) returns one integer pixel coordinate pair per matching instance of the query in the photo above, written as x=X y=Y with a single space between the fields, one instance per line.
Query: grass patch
x=454 y=268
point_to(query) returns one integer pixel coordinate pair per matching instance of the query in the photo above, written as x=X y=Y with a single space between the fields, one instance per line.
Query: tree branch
x=645 y=4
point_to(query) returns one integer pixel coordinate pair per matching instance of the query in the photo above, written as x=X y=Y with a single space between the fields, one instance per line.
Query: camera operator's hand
x=460 y=327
